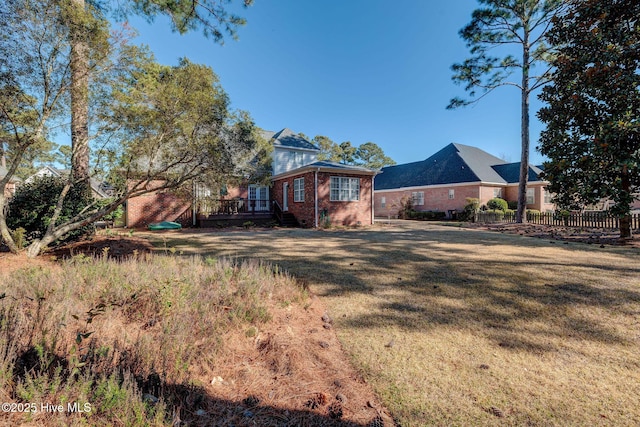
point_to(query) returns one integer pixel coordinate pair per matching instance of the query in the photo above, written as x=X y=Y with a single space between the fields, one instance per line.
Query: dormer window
x=295 y=157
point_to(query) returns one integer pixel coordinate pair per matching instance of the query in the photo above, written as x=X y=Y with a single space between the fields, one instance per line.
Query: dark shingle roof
x=287 y=138
x=510 y=172
x=454 y=164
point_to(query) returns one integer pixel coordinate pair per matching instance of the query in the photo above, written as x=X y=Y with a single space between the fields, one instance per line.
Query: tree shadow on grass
x=433 y=277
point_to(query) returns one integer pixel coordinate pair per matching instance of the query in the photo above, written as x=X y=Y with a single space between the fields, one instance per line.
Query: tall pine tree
x=519 y=26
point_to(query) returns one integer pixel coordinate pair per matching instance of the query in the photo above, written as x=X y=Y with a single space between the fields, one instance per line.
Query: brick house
x=10 y=188
x=326 y=193
x=99 y=189
x=445 y=180
x=302 y=188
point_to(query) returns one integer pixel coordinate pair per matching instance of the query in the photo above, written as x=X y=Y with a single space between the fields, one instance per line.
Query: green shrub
x=470 y=209
x=406 y=207
x=498 y=204
x=18 y=237
x=113 y=216
x=533 y=213
x=427 y=215
x=513 y=204
x=32 y=206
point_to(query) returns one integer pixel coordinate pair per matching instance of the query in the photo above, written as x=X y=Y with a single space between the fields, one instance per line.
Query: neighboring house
x=445 y=180
x=303 y=191
x=10 y=189
x=99 y=189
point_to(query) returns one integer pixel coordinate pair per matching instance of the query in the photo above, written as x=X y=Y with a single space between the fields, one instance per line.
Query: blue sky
x=355 y=70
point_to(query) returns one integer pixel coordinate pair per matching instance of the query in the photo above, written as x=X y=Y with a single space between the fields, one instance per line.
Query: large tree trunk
x=521 y=213
x=79 y=94
x=4 y=230
x=625 y=221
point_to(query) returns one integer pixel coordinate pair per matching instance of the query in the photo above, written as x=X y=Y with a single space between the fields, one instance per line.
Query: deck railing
x=240 y=207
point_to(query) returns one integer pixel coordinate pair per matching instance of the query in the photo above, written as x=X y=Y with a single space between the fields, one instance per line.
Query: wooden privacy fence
x=586 y=219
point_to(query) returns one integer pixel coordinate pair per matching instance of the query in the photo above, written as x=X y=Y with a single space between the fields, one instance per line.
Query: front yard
x=466 y=327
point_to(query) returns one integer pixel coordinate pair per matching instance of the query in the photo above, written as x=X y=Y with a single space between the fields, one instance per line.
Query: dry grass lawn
x=466 y=327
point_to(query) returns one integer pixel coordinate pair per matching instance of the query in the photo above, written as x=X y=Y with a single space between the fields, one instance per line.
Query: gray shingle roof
x=510 y=172
x=454 y=164
x=287 y=138
x=3 y=173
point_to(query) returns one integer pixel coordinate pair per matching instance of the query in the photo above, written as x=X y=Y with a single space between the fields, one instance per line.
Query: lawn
x=466 y=327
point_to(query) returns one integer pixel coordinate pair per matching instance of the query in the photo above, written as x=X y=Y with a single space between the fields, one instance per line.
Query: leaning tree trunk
x=7 y=238
x=79 y=94
x=521 y=213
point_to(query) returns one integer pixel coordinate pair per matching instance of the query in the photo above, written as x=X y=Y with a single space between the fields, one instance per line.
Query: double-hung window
x=531 y=196
x=418 y=198
x=345 y=189
x=298 y=190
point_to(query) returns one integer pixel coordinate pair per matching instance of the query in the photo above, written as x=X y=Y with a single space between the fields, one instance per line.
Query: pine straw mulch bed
x=595 y=236
x=293 y=372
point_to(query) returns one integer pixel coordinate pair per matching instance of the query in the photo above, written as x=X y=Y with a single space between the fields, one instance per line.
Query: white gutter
x=372 y=198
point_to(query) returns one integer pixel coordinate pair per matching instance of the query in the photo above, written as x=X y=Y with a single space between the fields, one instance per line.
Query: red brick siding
x=437 y=199
x=340 y=213
x=163 y=205
x=346 y=213
x=10 y=189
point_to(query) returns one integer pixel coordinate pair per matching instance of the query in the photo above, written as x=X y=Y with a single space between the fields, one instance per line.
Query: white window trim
x=298 y=190
x=383 y=202
x=343 y=189
x=418 y=198
x=531 y=196
x=452 y=194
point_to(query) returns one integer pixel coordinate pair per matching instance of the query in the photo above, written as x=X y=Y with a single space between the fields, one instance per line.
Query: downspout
x=316 y=197
x=373 y=178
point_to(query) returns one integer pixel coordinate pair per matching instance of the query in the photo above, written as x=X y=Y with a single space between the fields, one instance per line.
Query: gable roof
x=3 y=173
x=454 y=164
x=287 y=138
x=101 y=189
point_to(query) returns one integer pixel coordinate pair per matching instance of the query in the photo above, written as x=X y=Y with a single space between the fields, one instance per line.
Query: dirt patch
x=10 y=262
x=291 y=370
x=116 y=247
